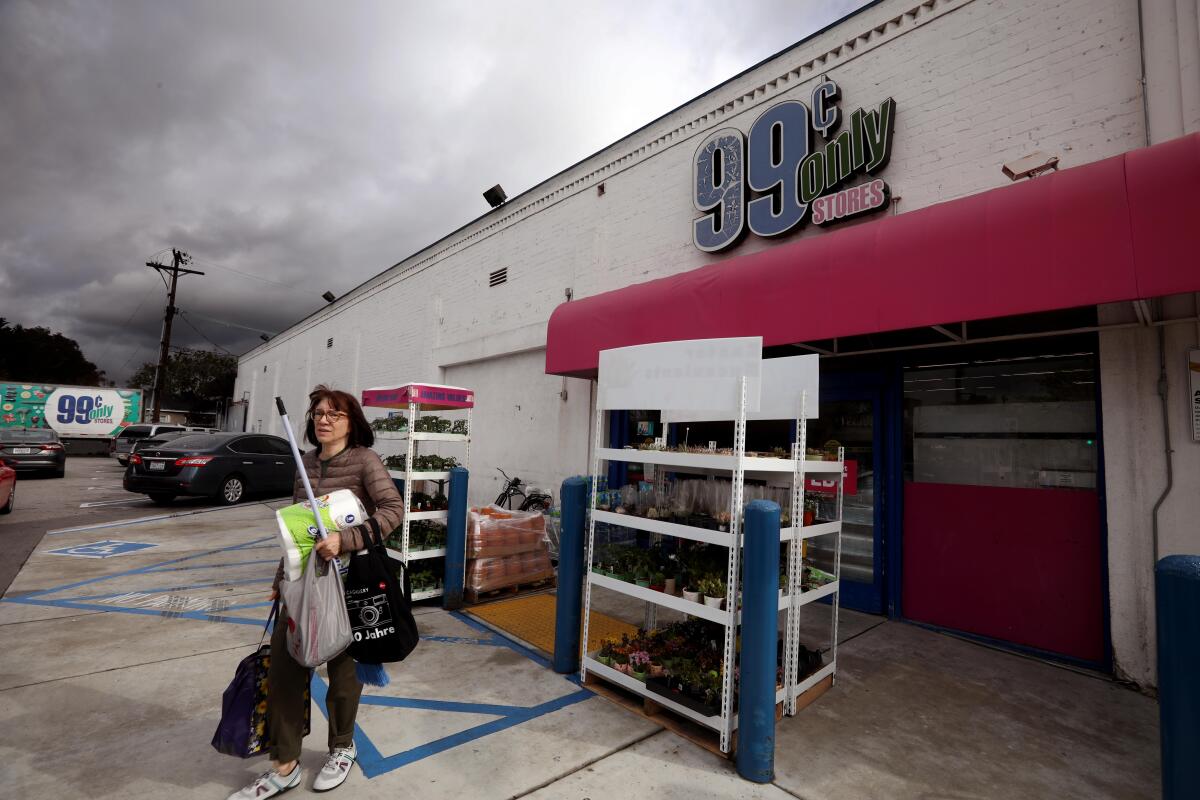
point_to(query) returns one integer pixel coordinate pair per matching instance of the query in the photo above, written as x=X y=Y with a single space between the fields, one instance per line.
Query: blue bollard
x=569 y=605
x=760 y=631
x=1177 y=605
x=456 y=541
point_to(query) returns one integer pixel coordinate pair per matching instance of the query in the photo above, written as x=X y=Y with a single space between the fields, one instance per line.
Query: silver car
x=122 y=443
x=30 y=449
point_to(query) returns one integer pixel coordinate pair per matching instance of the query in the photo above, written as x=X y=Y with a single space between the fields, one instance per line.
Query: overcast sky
x=308 y=144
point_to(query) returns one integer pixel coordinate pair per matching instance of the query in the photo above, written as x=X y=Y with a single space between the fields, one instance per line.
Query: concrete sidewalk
x=112 y=670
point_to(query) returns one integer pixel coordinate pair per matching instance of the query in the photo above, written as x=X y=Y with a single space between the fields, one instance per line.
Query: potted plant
x=713 y=589
x=605 y=654
x=658 y=582
x=639 y=663
x=810 y=509
x=620 y=662
x=691 y=592
x=642 y=578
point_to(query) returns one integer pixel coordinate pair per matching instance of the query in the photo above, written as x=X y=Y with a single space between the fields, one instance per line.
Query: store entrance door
x=851 y=416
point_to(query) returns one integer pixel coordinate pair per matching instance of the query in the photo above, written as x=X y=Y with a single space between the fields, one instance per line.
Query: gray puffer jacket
x=360 y=470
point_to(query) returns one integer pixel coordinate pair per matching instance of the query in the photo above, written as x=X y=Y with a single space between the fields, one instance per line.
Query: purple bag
x=243 y=731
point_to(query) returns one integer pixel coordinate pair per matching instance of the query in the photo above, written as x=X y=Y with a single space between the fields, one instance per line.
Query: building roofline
x=565 y=170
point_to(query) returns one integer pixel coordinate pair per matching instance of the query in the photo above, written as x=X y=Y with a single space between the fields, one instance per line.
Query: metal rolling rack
x=737 y=465
x=414 y=399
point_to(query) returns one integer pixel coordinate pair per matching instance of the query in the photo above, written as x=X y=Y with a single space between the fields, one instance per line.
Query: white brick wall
x=976 y=82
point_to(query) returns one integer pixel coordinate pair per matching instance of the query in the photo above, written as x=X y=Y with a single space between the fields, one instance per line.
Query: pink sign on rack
x=429 y=396
x=829 y=485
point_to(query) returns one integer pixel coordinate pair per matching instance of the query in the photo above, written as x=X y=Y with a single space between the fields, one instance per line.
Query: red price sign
x=829 y=486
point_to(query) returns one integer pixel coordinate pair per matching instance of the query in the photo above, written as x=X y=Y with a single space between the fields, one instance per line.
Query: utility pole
x=160 y=374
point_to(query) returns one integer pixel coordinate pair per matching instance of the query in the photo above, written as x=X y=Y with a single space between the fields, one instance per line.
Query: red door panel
x=1020 y=565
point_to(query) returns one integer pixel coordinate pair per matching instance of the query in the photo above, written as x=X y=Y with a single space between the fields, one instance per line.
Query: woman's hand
x=330 y=546
x=274 y=595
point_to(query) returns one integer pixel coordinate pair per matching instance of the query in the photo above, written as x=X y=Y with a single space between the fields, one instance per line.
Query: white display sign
x=784 y=381
x=81 y=411
x=1194 y=392
x=692 y=375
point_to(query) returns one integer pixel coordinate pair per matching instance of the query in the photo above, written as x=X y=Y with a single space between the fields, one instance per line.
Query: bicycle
x=535 y=500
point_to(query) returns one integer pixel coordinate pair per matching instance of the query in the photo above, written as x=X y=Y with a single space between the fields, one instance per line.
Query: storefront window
x=1027 y=422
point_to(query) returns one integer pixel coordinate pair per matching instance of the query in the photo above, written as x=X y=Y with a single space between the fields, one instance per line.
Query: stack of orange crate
x=506 y=548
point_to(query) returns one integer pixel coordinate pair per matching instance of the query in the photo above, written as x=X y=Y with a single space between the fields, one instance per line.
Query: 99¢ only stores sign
x=789 y=168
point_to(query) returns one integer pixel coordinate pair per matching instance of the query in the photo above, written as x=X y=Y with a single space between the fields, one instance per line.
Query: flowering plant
x=639 y=659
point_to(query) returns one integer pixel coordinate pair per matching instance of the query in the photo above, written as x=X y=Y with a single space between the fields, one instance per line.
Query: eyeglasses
x=332 y=416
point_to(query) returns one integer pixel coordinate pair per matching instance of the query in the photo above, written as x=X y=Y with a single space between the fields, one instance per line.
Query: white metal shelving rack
x=737 y=465
x=413 y=409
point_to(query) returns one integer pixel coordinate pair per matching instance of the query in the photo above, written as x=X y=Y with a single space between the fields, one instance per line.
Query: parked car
x=121 y=445
x=225 y=466
x=159 y=438
x=33 y=449
x=8 y=488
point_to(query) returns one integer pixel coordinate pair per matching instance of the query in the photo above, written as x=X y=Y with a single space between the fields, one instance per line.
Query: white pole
x=287 y=429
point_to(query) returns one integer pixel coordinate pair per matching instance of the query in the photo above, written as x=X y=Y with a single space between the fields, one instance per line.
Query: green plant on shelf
x=459 y=427
x=424 y=579
x=431 y=423
x=426 y=502
x=394 y=424
x=434 y=463
x=426 y=535
x=712 y=586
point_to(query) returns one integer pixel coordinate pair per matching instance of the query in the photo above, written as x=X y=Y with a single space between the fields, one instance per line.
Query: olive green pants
x=286 y=681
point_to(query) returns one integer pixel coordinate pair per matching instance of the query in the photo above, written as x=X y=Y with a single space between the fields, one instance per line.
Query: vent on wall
x=329 y=343
x=498 y=277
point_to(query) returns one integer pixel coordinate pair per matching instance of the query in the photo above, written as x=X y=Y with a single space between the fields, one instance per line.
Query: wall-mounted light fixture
x=495 y=196
x=1030 y=166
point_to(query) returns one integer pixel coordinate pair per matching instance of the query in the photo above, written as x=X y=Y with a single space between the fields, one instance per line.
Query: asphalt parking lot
x=90 y=494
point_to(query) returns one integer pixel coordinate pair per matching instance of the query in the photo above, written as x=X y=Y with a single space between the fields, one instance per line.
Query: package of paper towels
x=298 y=529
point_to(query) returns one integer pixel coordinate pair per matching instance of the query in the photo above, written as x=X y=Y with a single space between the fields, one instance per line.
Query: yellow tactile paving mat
x=531 y=619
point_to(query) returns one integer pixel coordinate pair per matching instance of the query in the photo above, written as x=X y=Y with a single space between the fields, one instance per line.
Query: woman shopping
x=342 y=460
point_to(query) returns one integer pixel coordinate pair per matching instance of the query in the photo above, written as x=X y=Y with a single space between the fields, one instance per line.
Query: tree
x=196 y=379
x=39 y=355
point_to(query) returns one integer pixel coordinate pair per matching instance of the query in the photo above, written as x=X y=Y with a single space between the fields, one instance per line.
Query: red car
x=8 y=488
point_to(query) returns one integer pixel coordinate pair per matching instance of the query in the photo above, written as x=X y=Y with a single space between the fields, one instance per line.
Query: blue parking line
x=213 y=566
x=121 y=523
x=167 y=589
x=442 y=705
x=502 y=640
x=202 y=616
x=463 y=640
x=373 y=763
x=141 y=570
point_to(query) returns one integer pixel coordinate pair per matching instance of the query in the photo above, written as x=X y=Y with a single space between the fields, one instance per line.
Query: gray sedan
x=26 y=450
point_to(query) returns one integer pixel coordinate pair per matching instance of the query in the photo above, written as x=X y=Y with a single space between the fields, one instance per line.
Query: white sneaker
x=336 y=769
x=269 y=784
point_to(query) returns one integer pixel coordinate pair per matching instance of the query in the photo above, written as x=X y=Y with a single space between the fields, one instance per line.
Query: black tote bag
x=379 y=603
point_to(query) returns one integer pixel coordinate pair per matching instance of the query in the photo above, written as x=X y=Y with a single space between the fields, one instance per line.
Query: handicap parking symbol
x=109 y=547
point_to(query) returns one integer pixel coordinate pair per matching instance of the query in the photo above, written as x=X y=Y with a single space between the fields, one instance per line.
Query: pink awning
x=1124 y=228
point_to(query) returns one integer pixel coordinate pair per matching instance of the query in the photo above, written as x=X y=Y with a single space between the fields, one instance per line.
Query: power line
x=184 y=317
x=230 y=324
x=250 y=275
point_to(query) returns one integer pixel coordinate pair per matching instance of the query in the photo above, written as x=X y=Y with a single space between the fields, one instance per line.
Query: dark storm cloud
x=309 y=144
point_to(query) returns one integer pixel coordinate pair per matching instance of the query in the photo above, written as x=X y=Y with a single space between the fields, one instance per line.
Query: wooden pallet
x=693 y=731
x=473 y=597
